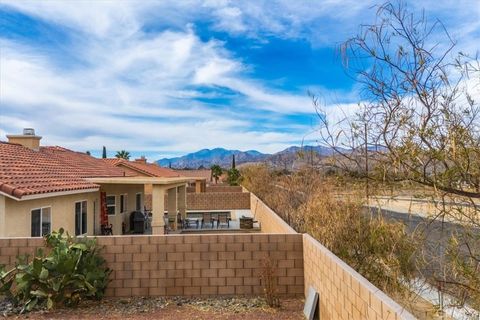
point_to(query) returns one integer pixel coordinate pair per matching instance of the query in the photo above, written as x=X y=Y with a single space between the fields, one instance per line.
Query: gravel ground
x=169 y=308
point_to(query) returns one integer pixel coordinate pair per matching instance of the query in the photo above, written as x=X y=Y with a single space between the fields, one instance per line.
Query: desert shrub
x=71 y=271
x=332 y=211
x=269 y=279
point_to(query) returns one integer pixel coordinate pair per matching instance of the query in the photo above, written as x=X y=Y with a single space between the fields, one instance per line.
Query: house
x=141 y=168
x=45 y=188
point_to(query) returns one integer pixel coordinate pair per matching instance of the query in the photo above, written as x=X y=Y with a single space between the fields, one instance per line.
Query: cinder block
x=226 y=290
x=157 y=239
x=191 y=239
x=226 y=255
x=260 y=238
x=158 y=256
x=216 y=281
x=234 y=247
x=192 y=256
x=243 y=272
x=235 y=281
x=234 y=264
x=183 y=265
x=18 y=242
x=191 y=291
x=148 y=248
x=200 y=282
x=160 y=291
x=123 y=292
x=140 y=274
x=123 y=257
x=123 y=240
x=174 y=274
x=175 y=256
x=148 y=283
x=140 y=292
x=218 y=264
x=243 y=255
x=226 y=273
x=131 y=283
x=286 y=280
x=208 y=238
x=192 y=273
x=123 y=274
x=155 y=274
x=183 y=282
x=208 y=256
x=216 y=247
x=251 y=281
x=165 y=248
x=166 y=282
x=203 y=264
x=183 y=247
x=209 y=290
x=174 y=291
x=141 y=257
x=140 y=240
x=149 y=265
x=243 y=290
x=209 y=273
x=200 y=247
x=174 y=239
x=254 y=246
x=130 y=248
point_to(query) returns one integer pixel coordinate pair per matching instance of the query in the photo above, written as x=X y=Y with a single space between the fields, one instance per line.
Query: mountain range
x=223 y=157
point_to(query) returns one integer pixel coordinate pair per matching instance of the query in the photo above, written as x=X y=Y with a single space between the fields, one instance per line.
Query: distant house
x=46 y=188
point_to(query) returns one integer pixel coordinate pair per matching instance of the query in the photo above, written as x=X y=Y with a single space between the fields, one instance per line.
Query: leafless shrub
x=269 y=280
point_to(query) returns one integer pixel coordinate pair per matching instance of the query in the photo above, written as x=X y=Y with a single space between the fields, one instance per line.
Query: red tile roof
x=26 y=172
x=81 y=164
x=149 y=169
x=205 y=173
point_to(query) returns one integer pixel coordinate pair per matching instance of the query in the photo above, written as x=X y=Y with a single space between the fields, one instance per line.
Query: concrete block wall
x=220 y=188
x=190 y=265
x=217 y=201
x=343 y=292
x=270 y=222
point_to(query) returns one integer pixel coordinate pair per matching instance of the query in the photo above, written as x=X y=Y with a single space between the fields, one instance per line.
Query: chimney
x=27 y=139
x=141 y=160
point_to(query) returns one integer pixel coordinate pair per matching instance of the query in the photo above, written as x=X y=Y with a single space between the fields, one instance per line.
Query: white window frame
x=81 y=221
x=141 y=201
x=41 y=219
x=124 y=203
x=114 y=204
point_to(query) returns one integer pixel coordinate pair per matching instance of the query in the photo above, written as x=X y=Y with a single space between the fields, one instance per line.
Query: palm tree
x=216 y=172
x=123 y=155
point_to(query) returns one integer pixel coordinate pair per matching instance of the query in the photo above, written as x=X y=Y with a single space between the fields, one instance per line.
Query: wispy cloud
x=144 y=76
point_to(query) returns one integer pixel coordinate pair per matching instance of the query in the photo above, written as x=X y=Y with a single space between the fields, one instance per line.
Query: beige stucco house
x=47 y=188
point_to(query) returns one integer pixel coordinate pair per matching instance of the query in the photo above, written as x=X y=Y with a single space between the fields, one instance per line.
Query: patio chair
x=106 y=229
x=166 y=220
x=207 y=218
x=223 y=219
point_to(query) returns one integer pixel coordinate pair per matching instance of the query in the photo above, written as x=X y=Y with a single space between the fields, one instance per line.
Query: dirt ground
x=211 y=309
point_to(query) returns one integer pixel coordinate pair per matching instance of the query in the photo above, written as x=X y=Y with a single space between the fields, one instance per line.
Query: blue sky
x=163 y=78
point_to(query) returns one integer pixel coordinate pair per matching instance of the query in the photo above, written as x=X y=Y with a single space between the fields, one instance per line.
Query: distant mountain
x=209 y=157
x=289 y=158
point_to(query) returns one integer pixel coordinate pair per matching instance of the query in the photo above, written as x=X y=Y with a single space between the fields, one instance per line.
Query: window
x=41 y=222
x=111 y=205
x=123 y=203
x=80 y=218
x=138 y=202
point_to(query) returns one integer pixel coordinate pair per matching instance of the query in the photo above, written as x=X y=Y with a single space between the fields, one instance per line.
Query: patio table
x=192 y=221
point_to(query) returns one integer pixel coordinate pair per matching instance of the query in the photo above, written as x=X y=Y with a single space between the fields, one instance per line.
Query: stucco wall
x=119 y=217
x=18 y=213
